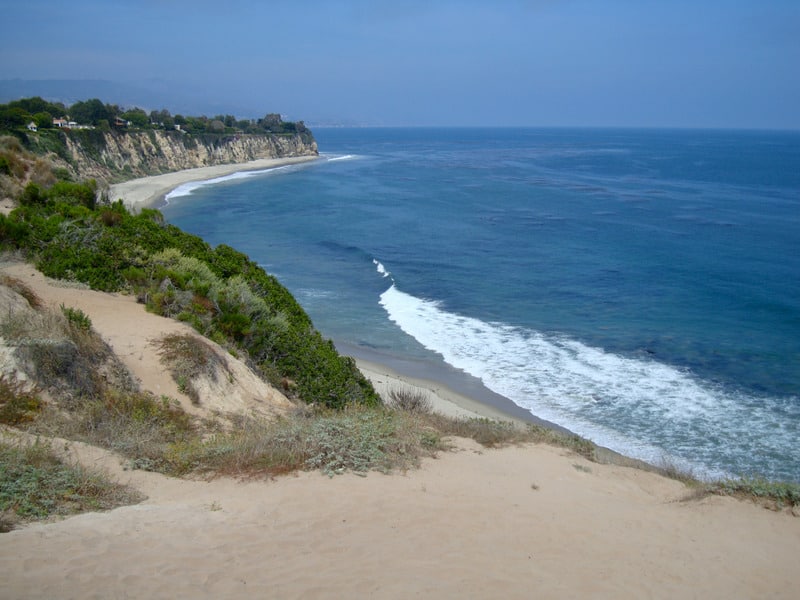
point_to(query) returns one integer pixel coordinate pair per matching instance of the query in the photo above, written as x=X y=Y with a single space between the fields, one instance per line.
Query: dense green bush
x=219 y=291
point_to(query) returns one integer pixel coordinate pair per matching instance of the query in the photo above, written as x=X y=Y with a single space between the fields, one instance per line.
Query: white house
x=32 y=126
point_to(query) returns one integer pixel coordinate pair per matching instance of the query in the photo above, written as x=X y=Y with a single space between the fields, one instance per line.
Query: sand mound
x=133 y=333
x=511 y=523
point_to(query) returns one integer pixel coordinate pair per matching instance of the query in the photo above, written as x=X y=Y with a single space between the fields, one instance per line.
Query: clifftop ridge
x=112 y=156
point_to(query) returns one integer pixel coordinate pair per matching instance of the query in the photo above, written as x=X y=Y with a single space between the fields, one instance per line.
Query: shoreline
x=457 y=394
x=451 y=391
x=145 y=192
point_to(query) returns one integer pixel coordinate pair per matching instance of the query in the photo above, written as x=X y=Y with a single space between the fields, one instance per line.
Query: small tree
x=272 y=122
x=92 y=112
x=138 y=117
x=43 y=120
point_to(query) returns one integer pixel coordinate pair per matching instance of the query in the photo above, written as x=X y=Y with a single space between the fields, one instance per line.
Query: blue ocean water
x=641 y=288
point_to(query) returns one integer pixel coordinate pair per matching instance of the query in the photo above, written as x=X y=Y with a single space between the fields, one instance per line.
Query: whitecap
x=640 y=407
x=187 y=188
x=380 y=268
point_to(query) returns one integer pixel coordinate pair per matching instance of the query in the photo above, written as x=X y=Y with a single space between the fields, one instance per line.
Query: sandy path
x=468 y=525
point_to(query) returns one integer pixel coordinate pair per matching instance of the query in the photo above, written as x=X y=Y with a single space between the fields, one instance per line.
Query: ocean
x=640 y=288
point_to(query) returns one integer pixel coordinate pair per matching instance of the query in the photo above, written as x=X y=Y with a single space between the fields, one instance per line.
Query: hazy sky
x=694 y=63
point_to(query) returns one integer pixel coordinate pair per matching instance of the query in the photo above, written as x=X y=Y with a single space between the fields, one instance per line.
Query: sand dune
x=511 y=523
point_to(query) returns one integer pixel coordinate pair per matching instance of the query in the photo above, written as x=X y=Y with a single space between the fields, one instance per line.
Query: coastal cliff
x=111 y=156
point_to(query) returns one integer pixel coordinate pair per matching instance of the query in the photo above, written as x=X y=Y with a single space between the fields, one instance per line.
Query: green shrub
x=187 y=357
x=84 y=194
x=32 y=195
x=77 y=318
x=781 y=492
x=35 y=483
x=62 y=174
x=13 y=235
x=221 y=292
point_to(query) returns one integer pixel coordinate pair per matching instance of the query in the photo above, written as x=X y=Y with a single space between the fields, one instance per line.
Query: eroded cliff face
x=111 y=157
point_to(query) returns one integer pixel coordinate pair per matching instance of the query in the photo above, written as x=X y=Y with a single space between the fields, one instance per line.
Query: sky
x=628 y=63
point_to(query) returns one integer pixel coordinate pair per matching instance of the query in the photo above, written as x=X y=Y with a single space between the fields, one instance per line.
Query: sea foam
x=187 y=188
x=589 y=390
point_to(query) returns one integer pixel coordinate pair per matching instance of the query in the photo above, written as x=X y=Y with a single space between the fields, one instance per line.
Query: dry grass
x=137 y=425
x=59 y=357
x=357 y=439
x=18 y=403
x=188 y=358
x=411 y=400
x=492 y=433
x=35 y=484
x=23 y=290
x=62 y=354
x=669 y=468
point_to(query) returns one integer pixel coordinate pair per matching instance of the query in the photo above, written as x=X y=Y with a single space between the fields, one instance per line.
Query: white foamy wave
x=343 y=157
x=380 y=268
x=187 y=188
x=642 y=408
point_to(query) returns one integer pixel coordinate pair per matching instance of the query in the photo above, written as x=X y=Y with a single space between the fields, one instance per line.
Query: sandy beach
x=147 y=191
x=519 y=522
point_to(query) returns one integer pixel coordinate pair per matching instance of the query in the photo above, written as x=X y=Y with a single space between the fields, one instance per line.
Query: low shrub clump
x=157 y=435
x=59 y=352
x=138 y=425
x=35 y=483
x=493 y=433
x=781 y=493
x=356 y=439
x=188 y=357
x=18 y=405
x=411 y=400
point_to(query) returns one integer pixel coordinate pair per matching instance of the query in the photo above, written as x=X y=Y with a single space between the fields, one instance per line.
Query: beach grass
x=35 y=483
x=188 y=357
x=775 y=495
x=410 y=400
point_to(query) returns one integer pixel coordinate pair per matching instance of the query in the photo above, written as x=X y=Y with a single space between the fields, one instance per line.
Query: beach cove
x=452 y=393
x=634 y=287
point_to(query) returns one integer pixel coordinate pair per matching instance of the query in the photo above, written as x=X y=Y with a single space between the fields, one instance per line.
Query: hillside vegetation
x=222 y=293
